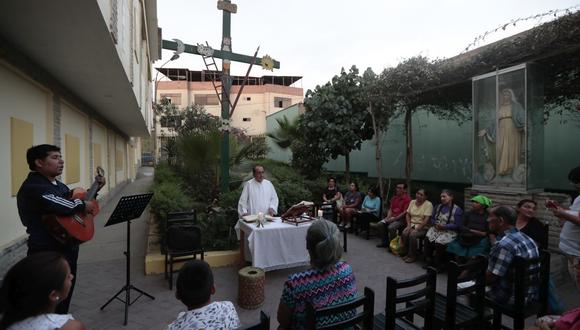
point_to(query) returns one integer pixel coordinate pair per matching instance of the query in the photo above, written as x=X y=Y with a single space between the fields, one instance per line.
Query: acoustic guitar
x=77 y=228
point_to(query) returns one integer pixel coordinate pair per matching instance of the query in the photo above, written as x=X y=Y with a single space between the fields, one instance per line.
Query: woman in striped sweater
x=328 y=282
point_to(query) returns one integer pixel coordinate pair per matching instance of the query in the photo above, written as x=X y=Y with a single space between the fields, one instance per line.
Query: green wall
x=443 y=150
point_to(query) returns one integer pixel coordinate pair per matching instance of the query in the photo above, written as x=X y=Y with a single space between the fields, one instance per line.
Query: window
x=248 y=98
x=206 y=99
x=282 y=102
x=247 y=119
x=170 y=121
x=172 y=98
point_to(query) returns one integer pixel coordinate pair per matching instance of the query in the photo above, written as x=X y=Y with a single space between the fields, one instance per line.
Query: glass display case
x=508 y=129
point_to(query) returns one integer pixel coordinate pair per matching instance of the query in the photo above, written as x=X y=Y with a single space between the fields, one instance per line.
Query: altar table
x=277 y=245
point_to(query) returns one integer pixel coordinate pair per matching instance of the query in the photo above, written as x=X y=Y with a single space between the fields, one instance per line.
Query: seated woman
x=328 y=282
x=529 y=225
x=194 y=289
x=352 y=201
x=32 y=289
x=418 y=213
x=444 y=223
x=331 y=197
x=370 y=209
x=332 y=193
x=473 y=230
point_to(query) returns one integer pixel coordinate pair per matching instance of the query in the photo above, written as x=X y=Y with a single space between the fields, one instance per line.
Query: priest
x=258 y=195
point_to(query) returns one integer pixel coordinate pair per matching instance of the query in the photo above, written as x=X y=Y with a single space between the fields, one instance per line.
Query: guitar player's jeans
x=71 y=254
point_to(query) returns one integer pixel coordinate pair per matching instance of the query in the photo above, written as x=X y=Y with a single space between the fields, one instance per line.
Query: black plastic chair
x=174 y=218
x=523 y=278
x=451 y=314
x=420 y=302
x=365 y=317
x=264 y=323
x=340 y=228
x=183 y=241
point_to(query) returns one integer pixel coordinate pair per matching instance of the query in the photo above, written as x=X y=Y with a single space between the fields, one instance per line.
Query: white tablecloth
x=277 y=245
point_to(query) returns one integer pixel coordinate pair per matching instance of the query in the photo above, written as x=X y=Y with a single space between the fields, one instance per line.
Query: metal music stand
x=128 y=208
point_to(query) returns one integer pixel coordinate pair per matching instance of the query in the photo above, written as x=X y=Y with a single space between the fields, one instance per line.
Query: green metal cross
x=227 y=56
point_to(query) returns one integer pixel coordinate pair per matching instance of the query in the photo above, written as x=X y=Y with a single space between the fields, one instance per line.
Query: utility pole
x=228 y=8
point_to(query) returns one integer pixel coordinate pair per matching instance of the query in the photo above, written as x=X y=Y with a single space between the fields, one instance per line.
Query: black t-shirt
x=475 y=221
x=330 y=193
x=535 y=230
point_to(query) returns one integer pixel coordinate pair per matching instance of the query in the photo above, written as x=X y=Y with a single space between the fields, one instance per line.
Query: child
x=194 y=289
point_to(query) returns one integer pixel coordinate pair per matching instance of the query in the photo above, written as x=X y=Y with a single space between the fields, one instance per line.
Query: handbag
x=339 y=203
x=396 y=247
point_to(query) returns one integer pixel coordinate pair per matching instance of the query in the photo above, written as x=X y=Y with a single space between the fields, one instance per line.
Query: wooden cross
x=227 y=57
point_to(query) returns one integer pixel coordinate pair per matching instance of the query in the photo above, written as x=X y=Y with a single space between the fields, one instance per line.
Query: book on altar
x=250 y=218
x=297 y=210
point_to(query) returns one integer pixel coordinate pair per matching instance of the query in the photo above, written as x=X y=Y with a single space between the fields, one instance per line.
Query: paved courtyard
x=101 y=274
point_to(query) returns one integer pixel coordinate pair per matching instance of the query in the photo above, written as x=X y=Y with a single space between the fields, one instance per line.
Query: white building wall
x=100 y=137
x=19 y=98
x=256 y=109
x=131 y=45
x=75 y=123
x=121 y=158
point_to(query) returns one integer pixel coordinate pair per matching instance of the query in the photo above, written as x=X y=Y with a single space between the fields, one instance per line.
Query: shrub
x=258 y=148
x=164 y=173
x=168 y=197
x=290 y=193
x=218 y=230
x=230 y=199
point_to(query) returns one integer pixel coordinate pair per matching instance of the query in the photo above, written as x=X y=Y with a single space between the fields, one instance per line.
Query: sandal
x=410 y=260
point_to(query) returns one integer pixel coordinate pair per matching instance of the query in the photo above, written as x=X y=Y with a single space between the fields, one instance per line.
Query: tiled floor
x=102 y=274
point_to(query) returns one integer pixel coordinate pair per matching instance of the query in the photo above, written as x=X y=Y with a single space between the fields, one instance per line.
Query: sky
x=316 y=38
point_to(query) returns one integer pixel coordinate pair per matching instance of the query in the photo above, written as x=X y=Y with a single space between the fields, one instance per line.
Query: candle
x=320 y=213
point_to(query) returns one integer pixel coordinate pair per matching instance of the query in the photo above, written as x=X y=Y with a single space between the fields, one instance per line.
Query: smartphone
x=551 y=204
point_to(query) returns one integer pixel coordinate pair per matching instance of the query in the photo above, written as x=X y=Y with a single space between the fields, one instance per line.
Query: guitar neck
x=92 y=191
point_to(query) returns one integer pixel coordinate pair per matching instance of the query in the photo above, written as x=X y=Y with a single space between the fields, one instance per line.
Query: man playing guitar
x=41 y=194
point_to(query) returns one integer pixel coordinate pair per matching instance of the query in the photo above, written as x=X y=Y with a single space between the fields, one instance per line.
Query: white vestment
x=258 y=197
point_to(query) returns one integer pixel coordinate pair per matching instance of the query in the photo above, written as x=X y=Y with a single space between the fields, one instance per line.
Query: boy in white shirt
x=194 y=288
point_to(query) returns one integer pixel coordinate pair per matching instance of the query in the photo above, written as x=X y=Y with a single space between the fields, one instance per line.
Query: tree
x=308 y=154
x=407 y=82
x=380 y=107
x=336 y=113
x=197 y=120
x=170 y=117
x=416 y=84
x=286 y=133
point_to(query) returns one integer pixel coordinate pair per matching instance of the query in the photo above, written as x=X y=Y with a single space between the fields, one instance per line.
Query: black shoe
x=382 y=245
